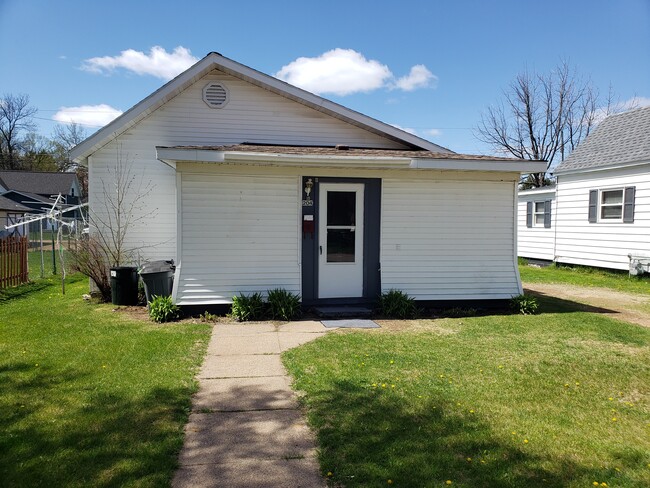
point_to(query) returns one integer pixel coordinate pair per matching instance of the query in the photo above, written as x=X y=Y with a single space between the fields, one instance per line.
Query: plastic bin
x=158 y=278
x=124 y=285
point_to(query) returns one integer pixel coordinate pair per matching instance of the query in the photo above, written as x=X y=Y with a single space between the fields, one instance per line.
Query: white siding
x=449 y=240
x=240 y=235
x=252 y=115
x=602 y=244
x=535 y=242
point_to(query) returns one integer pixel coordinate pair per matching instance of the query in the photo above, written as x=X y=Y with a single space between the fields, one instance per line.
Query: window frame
x=601 y=205
x=537 y=213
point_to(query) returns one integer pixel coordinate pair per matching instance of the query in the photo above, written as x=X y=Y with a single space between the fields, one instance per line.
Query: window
x=538 y=214
x=612 y=205
x=538 y=218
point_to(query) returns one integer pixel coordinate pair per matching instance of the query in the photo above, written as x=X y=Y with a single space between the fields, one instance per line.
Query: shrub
x=457 y=312
x=162 y=309
x=397 y=305
x=283 y=305
x=246 y=308
x=524 y=304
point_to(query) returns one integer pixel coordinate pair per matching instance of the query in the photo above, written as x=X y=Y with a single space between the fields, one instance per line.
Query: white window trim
x=599 y=217
x=536 y=213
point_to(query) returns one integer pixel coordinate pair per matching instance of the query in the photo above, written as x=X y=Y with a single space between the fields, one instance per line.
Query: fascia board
x=602 y=168
x=480 y=165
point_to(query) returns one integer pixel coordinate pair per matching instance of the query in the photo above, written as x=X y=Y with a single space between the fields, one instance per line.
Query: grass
x=585 y=276
x=88 y=396
x=557 y=399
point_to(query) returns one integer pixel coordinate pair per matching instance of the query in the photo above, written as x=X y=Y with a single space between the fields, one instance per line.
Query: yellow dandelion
x=614 y=419
x=383 y=385
x=603 y=484
x=482 y=461
x=471 y=411
x=374 y=385
x=610 y=399
x=514 y=432
x=390 y=482
x=577 y=383
x=442 y=375
x=458 y=404
x=566 y=385
x=595 y=483
x=392 y=386
x=392 y=362
x=329 y=473
x=469 y=459
x=448 y=482
x=525 y=441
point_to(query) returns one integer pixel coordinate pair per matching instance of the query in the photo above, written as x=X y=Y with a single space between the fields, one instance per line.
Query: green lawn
x=88 y=396
x=585 y=276
x=557 y=399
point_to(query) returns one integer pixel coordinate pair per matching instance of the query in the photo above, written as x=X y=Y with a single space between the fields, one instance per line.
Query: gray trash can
x=158 y=278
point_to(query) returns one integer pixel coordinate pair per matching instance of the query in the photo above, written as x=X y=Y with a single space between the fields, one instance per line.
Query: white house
x=259 y=184
x=601 y=203
x=536 y=224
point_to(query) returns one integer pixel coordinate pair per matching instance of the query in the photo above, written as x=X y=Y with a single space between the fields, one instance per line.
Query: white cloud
x=339 y=71
x=418 y=77
x=405 y=129
x=158 y=62
x=345 y=71
x=433 y=132
x=89 y=115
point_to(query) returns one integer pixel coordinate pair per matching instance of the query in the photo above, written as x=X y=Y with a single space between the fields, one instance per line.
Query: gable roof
x=39 y=182
x=10 y=206
x=216 y=61
x=619 y=140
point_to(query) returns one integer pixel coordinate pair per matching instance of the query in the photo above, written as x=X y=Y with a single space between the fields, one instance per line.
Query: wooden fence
x=13 y=261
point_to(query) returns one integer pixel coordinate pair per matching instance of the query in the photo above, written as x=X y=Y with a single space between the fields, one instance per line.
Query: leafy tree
x=16 y=117
x=36 y=153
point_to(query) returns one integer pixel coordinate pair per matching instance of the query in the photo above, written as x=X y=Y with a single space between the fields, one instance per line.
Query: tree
x=64 y=138
x=541 y=117
x=122 y=205
x=16 y=116
x=36 y=153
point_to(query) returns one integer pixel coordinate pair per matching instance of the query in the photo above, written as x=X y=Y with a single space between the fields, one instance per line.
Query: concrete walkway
x=245 y=429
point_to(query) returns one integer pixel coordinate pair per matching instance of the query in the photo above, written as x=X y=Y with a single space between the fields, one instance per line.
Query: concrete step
x=342 y=312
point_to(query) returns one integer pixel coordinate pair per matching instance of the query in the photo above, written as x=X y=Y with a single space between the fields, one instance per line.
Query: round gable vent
x=215 y=95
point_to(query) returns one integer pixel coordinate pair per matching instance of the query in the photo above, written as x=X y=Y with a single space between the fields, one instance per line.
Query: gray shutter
x=547 y=214
x=628 y=207
x=529 y=214
x=593 y=206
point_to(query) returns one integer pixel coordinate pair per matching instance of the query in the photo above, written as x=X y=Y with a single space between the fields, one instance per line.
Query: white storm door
x=340 y=240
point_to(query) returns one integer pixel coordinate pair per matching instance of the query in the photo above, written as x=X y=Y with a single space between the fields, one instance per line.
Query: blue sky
x=430 y=66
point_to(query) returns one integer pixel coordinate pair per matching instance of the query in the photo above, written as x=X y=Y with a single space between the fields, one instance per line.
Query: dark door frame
x=371 y=240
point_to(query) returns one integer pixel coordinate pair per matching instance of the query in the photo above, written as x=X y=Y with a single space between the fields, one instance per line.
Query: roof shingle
x=42 y=183
x=619 y=139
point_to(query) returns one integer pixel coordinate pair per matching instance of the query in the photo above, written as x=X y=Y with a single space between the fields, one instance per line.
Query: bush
x=396 y=304
x=162 y=309
x=283 y=305
x=246 y=308
x=90 y=259
x=524 y=304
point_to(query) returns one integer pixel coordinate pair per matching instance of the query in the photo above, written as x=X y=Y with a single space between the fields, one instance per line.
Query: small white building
x=259 y=184
x=536 y=224
x=601 y=212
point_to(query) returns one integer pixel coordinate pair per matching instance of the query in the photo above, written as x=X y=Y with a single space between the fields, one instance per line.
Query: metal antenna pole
x=40 y=240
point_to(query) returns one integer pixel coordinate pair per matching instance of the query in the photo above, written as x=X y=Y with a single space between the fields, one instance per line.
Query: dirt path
x=628 y=307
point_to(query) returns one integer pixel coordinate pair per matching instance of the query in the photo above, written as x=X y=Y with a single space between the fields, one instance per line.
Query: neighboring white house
x=536 y=224
x=259 y=184
x=601 y=213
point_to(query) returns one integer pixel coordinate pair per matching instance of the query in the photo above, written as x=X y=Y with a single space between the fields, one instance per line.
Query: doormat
x=351 y=324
